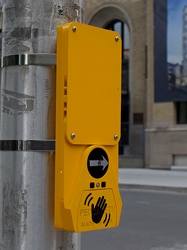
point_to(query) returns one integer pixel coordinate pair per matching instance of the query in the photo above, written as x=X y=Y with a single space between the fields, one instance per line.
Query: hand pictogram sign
x=98 y=210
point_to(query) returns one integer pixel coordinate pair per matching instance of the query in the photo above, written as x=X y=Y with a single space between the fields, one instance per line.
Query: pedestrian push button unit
x=88 y=101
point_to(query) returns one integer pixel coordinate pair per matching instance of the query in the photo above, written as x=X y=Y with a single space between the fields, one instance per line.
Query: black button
x=97 y=163
x=103 y=184
x=92 y=185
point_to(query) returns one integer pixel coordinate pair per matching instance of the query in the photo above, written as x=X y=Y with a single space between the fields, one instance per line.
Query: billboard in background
x=170 y=50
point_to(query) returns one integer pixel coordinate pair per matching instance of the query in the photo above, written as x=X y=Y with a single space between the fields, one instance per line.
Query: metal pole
x=28 y=113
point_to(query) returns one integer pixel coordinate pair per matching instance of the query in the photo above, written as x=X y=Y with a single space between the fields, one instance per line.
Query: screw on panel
x=73 y=135
x=74 y=28
x=115 y=137
x=116 y=38
x=98 y=185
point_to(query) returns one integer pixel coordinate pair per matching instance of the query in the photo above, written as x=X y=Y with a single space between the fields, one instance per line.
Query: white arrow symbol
x=97 y=163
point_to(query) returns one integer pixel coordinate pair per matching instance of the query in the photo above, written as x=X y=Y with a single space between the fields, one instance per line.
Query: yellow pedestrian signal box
x=88 y=100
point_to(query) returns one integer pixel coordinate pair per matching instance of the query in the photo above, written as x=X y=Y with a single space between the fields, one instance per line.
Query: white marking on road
x=144 y=202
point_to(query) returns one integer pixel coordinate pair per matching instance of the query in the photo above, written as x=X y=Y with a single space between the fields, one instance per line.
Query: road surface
x=151 y=220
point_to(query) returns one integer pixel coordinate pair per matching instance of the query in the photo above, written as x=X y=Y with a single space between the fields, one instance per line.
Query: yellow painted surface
x=88 y=104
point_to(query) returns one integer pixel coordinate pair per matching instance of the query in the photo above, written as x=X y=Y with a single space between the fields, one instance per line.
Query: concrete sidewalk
x=153 y=179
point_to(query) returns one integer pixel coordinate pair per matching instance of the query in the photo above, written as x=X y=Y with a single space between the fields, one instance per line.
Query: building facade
x=152 y=134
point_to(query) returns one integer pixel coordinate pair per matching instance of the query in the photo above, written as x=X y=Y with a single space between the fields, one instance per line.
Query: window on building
x=181 y=112
x=123 y=29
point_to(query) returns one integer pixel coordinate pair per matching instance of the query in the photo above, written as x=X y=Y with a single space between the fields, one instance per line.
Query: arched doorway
x=113 y=18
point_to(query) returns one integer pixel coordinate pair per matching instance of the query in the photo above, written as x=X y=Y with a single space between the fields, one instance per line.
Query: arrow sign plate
x=97 y=163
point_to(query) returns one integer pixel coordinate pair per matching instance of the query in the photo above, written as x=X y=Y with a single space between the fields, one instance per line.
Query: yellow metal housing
x=88 y=100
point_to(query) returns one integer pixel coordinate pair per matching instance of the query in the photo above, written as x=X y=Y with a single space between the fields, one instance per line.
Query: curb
x=179 y=168
x=152 y=188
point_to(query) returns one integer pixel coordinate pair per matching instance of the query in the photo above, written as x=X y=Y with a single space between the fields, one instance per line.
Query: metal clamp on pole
x=27 y=145
x=29 y=59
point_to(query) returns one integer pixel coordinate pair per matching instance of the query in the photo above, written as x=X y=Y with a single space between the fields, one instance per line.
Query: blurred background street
x=151 y=220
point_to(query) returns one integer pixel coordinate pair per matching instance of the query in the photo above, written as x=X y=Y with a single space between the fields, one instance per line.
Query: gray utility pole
x=27 y=128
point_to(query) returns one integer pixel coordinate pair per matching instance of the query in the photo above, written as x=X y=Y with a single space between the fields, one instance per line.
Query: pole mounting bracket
x=27 y=145
x=42 y=59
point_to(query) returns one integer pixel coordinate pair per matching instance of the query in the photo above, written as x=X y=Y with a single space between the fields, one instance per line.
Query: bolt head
x=115 y=137
x=98 y=185
x=116 y=38
x=74 y=28
x=73 y=136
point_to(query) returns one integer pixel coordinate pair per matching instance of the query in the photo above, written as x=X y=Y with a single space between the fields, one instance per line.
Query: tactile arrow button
x=97 y=163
